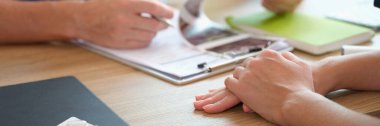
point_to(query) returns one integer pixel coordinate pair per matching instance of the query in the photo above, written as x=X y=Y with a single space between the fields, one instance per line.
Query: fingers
x=246 y=108
x=118 y=24
x=216 y=90
x=276 y=55
x=212 y=99
x=233 y=85
x=246 y=61
x=280 y=6
x=283 y=57
x=200 y=97
x=148 y=24
x=139 y=35
x=265 y=54
x=153 y=7
x=239 y=90
x=220 y=100
x=222 y=105
x=212 y=92
x=237 y=72
x=268 y=53
x=270 y=6
x=290 y=56
x=132 y=38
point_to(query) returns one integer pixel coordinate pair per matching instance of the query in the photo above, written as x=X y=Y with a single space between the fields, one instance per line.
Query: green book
x=316 y=35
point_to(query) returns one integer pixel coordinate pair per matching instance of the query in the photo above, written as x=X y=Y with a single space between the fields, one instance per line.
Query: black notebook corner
x=50 y=102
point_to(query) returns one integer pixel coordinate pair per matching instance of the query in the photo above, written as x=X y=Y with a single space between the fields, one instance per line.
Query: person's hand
x=267 y=81
x=118 y=23
x=217 y=100
x=281 y=6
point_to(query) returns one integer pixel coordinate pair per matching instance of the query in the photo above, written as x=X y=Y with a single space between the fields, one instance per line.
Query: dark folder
x=50 y=102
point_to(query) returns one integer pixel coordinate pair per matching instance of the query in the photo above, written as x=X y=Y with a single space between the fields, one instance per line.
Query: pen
x=162 y=20
x=229 y=63
x=350 y=49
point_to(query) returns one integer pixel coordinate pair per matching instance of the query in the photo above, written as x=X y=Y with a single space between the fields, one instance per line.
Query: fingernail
x=197 y=97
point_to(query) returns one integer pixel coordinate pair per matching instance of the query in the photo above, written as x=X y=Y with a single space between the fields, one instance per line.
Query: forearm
x=358 y=72
x=311 y=109
x=37 y=21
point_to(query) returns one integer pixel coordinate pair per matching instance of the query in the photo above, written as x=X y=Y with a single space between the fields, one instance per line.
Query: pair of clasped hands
x=263 y=84
x=254 y=81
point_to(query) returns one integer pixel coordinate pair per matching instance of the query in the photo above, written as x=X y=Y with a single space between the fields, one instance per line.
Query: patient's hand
x=217 y=100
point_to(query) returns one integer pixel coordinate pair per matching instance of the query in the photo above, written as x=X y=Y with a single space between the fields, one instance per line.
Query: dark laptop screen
x=377 y=3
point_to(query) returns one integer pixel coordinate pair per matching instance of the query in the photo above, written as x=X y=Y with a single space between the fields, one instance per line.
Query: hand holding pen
x=119 y=24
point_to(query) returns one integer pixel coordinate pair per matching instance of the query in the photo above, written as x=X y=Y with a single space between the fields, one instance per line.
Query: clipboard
x=171 y=58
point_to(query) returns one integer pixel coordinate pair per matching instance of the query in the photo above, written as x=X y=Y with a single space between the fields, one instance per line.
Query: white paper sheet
x=167 y=53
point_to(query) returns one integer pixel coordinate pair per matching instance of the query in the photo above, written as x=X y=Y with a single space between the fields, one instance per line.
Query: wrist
x=325 y=76
x=69 y=11
x=37 y=21
x=86 y=17
x=296 y=105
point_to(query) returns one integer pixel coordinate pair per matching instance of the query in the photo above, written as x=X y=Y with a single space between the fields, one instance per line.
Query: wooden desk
x=140 y=99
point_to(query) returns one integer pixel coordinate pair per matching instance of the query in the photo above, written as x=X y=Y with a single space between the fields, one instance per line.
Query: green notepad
x=312 y=34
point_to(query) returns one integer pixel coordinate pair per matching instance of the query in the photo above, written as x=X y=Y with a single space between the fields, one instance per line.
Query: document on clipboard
x=189 y=51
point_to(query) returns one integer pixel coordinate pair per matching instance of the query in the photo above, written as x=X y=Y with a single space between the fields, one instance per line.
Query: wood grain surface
x=139 y=98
